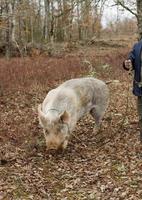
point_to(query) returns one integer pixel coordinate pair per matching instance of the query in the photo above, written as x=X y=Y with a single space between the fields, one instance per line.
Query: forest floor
x=104 y=166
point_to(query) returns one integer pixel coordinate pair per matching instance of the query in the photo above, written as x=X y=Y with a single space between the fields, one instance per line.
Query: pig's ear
x=64 y=117
x=42 y=116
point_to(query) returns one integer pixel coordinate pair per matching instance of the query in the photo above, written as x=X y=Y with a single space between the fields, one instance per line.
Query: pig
x=66 y=104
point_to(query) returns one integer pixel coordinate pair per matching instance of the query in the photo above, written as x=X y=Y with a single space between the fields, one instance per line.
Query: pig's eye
x=46 y=132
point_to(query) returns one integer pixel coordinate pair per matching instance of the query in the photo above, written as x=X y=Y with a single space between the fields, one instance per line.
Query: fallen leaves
x=99 y=166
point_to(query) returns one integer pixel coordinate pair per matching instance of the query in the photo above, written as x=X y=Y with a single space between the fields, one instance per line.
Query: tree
x=139 y=17
x=135 y=8
x=47 y=20
x=29 y=22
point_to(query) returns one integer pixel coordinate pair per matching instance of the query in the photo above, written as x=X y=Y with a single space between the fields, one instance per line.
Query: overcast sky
x=110 y=14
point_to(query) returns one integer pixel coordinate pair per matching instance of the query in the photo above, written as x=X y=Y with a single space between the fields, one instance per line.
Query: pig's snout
x=57 y=146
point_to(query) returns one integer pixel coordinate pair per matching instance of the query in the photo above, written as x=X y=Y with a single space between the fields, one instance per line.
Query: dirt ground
x=104 y=166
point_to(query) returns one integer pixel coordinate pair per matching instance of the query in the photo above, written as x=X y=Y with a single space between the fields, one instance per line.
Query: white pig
x=65 y=105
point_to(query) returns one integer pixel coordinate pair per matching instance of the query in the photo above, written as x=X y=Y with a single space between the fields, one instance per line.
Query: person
x=134 y=62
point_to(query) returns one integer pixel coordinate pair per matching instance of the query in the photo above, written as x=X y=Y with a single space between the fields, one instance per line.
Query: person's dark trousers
x=139 y=107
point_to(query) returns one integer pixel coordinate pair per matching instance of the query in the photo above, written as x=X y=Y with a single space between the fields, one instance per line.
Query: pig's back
x=84 y=86
x=87 y=92
x=83 y=82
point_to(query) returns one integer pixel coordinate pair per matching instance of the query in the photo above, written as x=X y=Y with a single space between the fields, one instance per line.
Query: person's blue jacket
x=135 y=56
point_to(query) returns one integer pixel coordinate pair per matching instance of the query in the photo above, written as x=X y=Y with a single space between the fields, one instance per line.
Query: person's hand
x=128 y=64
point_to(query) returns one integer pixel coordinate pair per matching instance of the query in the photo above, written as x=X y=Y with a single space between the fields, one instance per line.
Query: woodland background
x=42 y=44
x=38 y=24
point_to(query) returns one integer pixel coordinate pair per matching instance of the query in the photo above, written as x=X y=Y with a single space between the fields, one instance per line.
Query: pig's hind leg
x=99 y=107
x=97 y=113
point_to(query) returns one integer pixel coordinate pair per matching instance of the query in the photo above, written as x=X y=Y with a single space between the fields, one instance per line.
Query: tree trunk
x=47 y=20
x=78 y=20
x=12 y=19
x=8 y=35
x=52 y=24
x=139 y=18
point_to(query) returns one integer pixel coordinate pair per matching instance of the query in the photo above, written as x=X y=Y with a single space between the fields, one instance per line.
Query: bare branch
x=121 y=3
